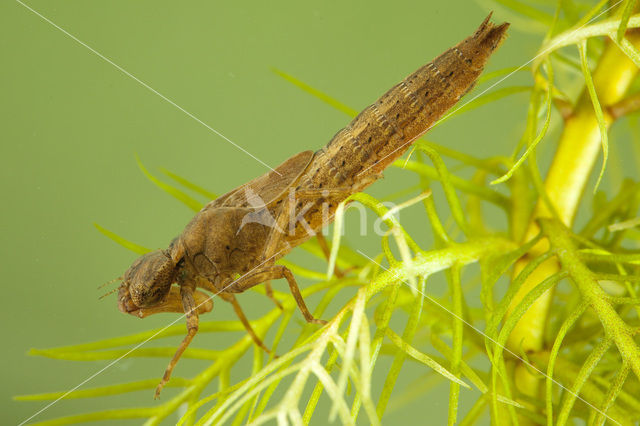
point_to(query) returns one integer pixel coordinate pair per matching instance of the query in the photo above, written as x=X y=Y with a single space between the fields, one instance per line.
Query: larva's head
x=147 y=282
x=477 y=48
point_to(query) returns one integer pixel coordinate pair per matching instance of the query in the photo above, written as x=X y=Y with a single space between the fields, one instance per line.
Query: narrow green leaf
x=532 y=145
x=407 y=337
x=464 y=185
x=571 y=10
x=553 y=355
x=590 y=254
x=381 y=210
x=347 y=257
x=615 y=277
x=176 y=382
x=439 y=233
x=473 y=415
x=585 y=371
x=167 y=352
x=196 y=405
x=528 y=11
x=627 y=9
x=624 y=225
x=124 y=243
x=158 y=333
x=603 y=212
x=502 y=307
x=553 y=27
x=317 y=93
x=493 y=267
x=335 y=242
x=481 y=100
x=592 y=13
x=258 y=362
x=522 y=307
x=119 y=414
x=465 y=369
x=586 y=283
x=614 y=390
x=578 y=33
x=174 y=192
x=190 y=185
x=256 y=383
x=352 y=340
x=582 y=47
x=499 y=73
x=452 y=198
x=491 y=165
x=334 y=392
x=382 y=321
x=455 y=287
x=366 y=368
x=629 y=49
x=570 y=61
x=423 y=358
x=317 y=390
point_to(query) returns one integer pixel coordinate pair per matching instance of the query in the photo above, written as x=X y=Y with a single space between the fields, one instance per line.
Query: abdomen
x=356 y=156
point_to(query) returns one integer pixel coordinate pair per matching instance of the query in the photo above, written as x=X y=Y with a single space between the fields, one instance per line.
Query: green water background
x=71 y=123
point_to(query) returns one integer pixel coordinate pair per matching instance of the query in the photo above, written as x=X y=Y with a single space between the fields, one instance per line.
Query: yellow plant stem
x=578 y=149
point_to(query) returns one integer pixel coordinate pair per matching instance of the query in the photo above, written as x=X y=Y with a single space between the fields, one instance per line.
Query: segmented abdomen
x=356 y=156
x=383 y=131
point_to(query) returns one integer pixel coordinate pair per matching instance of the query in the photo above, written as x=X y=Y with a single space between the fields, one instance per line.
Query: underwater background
x=72 y=123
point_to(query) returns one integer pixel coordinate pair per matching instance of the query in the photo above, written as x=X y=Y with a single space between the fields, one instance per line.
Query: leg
x=190 y=310
x=322 y=242
x=269 y=290
x=236 y=307
x=275 y=272
x=228 y=297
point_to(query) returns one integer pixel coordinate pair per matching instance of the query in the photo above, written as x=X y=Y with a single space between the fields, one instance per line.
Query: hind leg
x=243 y=319
x=269 y=291
x=276 y=272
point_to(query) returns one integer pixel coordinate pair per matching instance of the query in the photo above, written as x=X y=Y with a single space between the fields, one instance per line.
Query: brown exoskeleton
x=232 y=244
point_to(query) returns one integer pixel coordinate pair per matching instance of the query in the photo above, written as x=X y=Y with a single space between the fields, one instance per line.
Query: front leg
x=274 y=272
x=191 y=311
